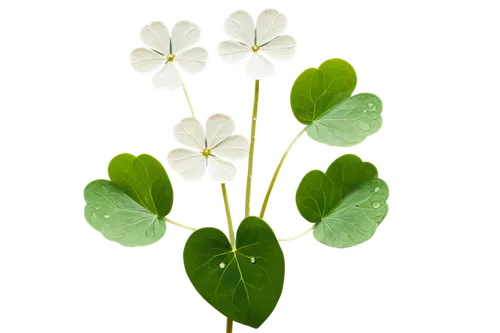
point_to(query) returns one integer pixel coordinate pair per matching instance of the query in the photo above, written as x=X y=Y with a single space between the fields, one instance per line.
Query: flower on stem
x=168 y=50
x=264 y=37
x=211 y=147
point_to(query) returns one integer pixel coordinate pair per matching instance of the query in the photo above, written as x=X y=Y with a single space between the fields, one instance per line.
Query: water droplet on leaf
x=364 y=111
x=370 y=105
x=252 y=260
x=106 y=216
x=377 y=189
x=222 y=265
x=376 y=204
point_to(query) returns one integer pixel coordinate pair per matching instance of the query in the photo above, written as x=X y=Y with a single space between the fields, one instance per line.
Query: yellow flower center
x=170 y=58
x=206 y=152
x=255 y=48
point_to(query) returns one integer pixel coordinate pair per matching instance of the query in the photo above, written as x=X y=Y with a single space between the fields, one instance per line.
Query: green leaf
x=356 y=218
x=145 y=180
x=316 y=91
x=349 y=122
x=245 y=284
x=118 y=217
x=346 y=204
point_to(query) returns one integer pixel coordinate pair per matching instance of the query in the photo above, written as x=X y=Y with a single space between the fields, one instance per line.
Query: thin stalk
x=181 y=225
x=188 y=99
x=228 y=215
x=297 y=236
x=253 y=125
x=229 y=326
x=272 y=183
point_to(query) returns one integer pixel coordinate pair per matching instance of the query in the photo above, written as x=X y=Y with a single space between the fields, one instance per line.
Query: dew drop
x=255 y=118
x=370 y=105
x=376 y=204
x=252 y=260
x=377 y=189
x=222 y=265
x=106 y=216
x=364 y=111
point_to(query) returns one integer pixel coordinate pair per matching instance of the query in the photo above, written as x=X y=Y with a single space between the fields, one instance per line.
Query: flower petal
x=281 y=48
x=190 y=164
x=221 y=171
x=167 y=77
x=218 y=128
x=156 y=36
x=184 y=35
x=144 y=60
x=235 y=147
x=232 y=52
x=259 y=67
x=189 y=132
x=193 y=61
x=240 y=26
x=270 y=24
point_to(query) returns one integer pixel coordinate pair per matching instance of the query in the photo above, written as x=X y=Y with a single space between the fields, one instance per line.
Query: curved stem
x=253 y=125
x=188 y=99
x=229 y=326
x=228 y=215
x=297 y=236
x=181 y=225
x=272 y=183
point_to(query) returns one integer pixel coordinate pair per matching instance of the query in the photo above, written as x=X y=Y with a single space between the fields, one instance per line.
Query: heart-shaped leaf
x=316 y=91
x=347 y=203
x=145 y=180
x=243 y=284
x=349 y=122
x=118 y=217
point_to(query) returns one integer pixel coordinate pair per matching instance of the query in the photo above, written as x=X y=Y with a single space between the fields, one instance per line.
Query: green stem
x=297 y=236
x=252 y=148
x=272 y=183
x=181 y=225
x=188 y=99
x=229 y=326
x=228 y=215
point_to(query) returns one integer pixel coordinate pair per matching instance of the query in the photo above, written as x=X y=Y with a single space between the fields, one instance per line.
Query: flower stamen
x=206 y=152
x=255 y=48
x=170 y=58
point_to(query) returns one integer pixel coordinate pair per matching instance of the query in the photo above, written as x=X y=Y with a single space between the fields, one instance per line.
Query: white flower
x=253 y=39
x=168 y=49
x=210 y=150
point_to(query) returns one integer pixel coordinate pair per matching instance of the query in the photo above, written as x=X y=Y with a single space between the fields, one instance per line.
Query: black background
x=323 y=291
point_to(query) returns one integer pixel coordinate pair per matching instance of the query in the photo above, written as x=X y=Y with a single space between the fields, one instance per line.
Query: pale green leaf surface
x=120 y=218
x=349 y=122
x=357 y=217
x=244 y=285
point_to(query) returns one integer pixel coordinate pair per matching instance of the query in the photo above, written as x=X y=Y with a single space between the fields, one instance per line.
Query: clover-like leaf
x=317 y=90
x=320 y=99
x=244 y=283
x=118 y=217
x=356 y=218
x=346 y=204
x=145 y=180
